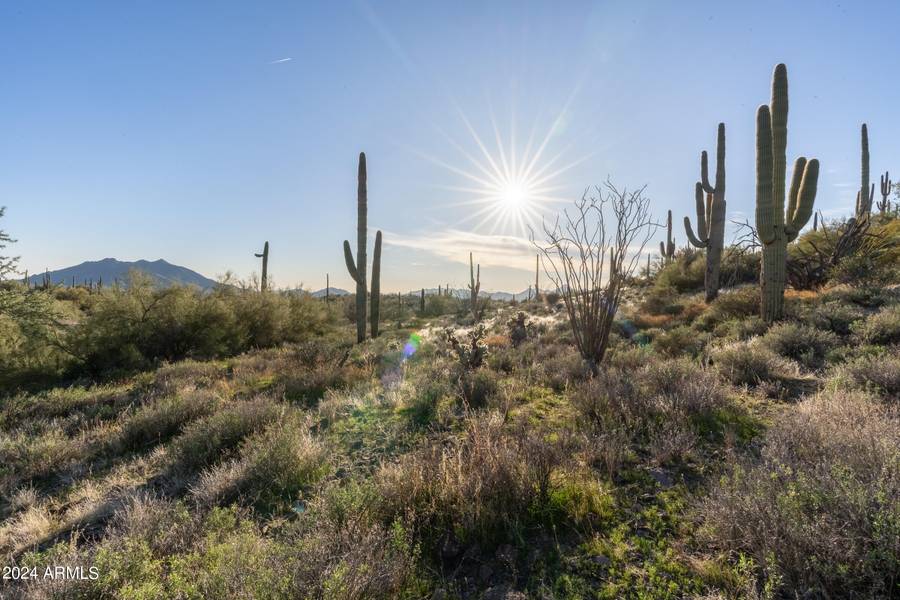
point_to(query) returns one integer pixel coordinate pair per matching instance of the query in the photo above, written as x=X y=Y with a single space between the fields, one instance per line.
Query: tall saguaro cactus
x=775 y=227
x=265 y=267
x=357 y=268
x=474 y=286
x=866 y=193
x=667 y=248
x=885 y=204
x=710 y=216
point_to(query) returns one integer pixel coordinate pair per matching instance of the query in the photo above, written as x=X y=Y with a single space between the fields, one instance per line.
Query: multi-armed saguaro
x=886 y=185
x=710 y=216
x=667 y=248
x=866 y=193
x=474 y=286
x=265 y=267
x=357 y=268
x=775 y=228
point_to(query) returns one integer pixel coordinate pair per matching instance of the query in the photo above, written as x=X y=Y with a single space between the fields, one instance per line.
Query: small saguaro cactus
x=667 y=248
x=815 y=221
x=775 y=227
x=327 y=288
x=265 y=267
x=710 y=216
x=866 y=193
x=357 y=268
x=422 y=302
x=474 y=286
x=885 y=204
x=537 y=273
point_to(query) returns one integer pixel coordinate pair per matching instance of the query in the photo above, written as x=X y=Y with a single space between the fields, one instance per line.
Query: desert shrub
x=750 y=363
x=684 y=274
x=215 y=437
x=518 y=328
x=164 y=418
x=663 y=405
x=741 y=329
x=483 y=486
x=801 y=343
x=865 y=297
x=558 y=366
x=340 y=550
x=731 y=304
x=882 y=328
x=879 y=374
x=834 y=316
x=141 y=325
x=477 y=387
x=659 y=300
x=678 y=341
x=274 y=468
x=819 y=506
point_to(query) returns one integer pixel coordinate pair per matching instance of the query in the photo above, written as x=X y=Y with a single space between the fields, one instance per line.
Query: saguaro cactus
x=710 y=216
x=474 y=286
x=885 y=204
x=866 y=193
x=775 y=228
x=265 y=267
x=667 y=248
x=537 y=272
x=422 y=302
x=357 y=269
x=327 y=288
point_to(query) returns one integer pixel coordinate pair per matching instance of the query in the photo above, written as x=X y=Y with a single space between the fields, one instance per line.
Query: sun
x=509 y=186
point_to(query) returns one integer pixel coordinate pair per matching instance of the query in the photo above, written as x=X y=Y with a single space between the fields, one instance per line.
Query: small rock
x=600 y=560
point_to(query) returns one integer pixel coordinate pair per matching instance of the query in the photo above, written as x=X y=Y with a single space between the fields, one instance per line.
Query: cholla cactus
x=472 y=354
x=710 y=216
x=775 y=226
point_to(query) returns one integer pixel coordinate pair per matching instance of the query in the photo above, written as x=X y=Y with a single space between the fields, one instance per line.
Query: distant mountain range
x=109 y=270
x=333 y=291
x=165 y=274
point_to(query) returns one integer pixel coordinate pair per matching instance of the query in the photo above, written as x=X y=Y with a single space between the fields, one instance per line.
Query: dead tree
x=589 y=253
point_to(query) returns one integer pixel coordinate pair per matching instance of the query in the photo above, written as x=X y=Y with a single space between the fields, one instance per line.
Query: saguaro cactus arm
x=374 y=311
x=351 y=264
x=766 y=208
x=803 y=198
x=701 y=240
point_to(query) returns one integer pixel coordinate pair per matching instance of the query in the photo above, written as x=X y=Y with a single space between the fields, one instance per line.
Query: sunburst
x=508 y=186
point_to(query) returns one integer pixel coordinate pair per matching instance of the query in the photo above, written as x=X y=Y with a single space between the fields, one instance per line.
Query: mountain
x=109 y=270
x=333 y=291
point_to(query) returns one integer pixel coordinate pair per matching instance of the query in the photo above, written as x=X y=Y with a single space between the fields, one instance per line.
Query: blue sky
x=180 y=130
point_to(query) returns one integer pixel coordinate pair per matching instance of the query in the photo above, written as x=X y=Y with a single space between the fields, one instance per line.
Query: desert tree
x=590 y=252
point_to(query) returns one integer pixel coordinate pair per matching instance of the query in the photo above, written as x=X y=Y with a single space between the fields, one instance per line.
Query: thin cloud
x=281 y=60
x=515 y=252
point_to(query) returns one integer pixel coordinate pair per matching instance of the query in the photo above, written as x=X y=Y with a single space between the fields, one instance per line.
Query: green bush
x=164 y=418
x=882 y=328
x=679 y=341
x=801 y=343
x=879 y=374
x=750 y=363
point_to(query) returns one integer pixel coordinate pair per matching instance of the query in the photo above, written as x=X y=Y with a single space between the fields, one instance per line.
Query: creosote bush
x=801 y=343
x=882 y=328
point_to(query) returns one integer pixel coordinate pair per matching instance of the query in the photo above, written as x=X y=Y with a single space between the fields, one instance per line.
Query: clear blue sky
x=179 y=130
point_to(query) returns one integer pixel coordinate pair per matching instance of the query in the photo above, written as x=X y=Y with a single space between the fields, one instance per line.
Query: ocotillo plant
x=357 y=269
x=710 y=216
x=885 y=204
x=265 y=267
x=474 y=286
x=774 y=227
x=667 y=248
x=866 y=193
x=537 y=273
